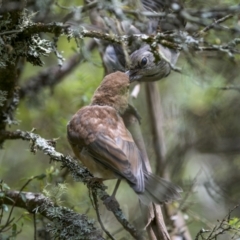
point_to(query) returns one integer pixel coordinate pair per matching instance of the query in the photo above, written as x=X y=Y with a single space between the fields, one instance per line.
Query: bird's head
x=145 y=67
x=113 y=91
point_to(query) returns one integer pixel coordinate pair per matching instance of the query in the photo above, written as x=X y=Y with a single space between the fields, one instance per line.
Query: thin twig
x=95 y=201
x=187 y=195
x=11 y=211
x=35 y=226
x=212 y=25
x=229 y=88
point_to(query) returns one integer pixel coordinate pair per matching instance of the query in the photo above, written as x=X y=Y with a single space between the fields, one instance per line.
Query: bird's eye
x=143 y=61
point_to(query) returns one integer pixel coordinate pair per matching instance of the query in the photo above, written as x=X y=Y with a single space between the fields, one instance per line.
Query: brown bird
x=101 y=141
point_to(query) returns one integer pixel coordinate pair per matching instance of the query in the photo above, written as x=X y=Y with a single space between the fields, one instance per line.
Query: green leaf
x=234 y=222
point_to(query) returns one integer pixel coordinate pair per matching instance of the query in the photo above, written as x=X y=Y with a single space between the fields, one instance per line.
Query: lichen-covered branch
x=78 y=172
x=65 y=223
x=176 y=40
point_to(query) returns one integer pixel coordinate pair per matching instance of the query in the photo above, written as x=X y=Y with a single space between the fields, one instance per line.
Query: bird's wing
x=107 y=152
x=120 y=156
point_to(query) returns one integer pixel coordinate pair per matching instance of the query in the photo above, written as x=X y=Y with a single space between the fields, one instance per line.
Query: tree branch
x=176 y=40
x=213 y=25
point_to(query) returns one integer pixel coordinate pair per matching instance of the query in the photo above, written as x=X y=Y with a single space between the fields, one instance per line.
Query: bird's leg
x=116 y=188
x=111 y=202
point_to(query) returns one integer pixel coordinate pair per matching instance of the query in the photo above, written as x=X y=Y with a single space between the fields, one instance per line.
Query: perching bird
x=101 y=141
x=144 y=65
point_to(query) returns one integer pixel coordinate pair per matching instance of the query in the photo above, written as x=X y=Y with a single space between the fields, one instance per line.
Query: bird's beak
x=131 y=76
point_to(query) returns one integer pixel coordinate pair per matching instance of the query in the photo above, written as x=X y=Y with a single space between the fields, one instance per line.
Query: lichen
x=3 y=97
x=10 y=110
x=12 y=46
x=69 y=225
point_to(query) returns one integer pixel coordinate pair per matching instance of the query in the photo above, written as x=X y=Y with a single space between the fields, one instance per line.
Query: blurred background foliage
x=201 y=110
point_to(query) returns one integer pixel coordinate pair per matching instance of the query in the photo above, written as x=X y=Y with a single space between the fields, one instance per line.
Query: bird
x=147 y=63
x=145 y=68
x=101 y=141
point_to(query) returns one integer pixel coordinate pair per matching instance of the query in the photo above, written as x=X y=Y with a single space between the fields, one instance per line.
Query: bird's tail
x=158 y=190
